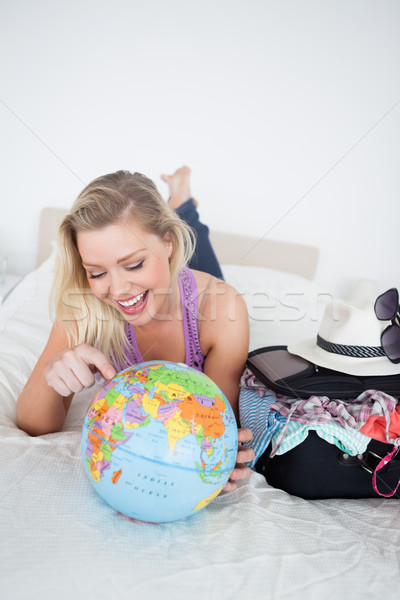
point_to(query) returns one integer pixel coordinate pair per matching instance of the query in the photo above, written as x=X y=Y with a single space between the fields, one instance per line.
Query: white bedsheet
x=59 y=540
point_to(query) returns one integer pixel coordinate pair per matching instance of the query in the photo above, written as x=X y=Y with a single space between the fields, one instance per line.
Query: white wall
x=288 y=113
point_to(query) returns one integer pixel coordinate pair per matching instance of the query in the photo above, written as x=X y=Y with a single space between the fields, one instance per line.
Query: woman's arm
x=227 y=324
x=59 y=373
x=225 y=334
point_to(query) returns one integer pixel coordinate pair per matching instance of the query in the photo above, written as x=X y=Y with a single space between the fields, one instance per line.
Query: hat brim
x=368 y=367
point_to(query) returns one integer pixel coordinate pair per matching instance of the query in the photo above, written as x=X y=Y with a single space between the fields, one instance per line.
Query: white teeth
x=132 y=301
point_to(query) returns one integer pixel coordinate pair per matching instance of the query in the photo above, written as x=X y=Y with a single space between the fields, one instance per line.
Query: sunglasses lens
x=386 y=305
x=390 y=341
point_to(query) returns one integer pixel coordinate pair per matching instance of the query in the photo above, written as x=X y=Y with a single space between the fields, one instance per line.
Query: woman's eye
x=138 y=266
x=133 y=268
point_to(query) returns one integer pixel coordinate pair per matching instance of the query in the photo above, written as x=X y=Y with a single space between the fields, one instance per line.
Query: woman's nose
x=118 y=284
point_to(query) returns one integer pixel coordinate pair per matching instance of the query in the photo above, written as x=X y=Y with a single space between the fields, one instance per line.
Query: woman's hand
x=72 y=370
x=241 y=471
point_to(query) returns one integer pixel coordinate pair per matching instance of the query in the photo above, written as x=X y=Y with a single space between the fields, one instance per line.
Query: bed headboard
x=230 y=248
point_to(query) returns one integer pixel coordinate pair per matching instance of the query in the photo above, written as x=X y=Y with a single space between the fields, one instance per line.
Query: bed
x=58 y=539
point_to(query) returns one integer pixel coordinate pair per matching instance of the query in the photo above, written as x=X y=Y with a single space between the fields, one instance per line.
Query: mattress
x=59 y=539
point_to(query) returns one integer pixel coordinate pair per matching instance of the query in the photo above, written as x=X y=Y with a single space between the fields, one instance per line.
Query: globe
x=159 y=441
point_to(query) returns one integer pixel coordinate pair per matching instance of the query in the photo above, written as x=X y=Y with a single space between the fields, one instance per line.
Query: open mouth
x=135 y=304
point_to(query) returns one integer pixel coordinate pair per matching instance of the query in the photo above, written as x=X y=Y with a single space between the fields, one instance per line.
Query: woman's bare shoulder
x=219 y=306
x=212 y=285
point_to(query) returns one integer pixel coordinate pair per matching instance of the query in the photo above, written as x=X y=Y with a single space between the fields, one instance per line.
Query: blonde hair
x=115 y=197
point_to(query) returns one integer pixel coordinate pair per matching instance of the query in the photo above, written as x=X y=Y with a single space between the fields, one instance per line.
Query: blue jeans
x=204 y=258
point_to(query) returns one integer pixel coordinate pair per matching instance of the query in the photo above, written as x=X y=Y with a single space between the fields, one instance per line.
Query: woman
x=123 y=295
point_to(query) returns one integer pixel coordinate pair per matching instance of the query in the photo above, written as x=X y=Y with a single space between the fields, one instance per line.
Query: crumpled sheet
x=59 y=539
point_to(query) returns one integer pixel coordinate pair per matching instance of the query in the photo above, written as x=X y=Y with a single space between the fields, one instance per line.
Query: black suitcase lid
x=294 y=376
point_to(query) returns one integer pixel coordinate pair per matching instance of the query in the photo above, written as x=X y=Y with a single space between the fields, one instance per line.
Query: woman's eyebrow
x=120 y=260
x=130 y=255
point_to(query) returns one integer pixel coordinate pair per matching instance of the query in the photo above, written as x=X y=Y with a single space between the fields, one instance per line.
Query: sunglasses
x=387 y=309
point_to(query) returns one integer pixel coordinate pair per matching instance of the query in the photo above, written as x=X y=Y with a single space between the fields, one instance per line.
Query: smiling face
x=128 y=268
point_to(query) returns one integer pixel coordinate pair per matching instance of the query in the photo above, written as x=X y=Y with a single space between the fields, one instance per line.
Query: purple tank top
x=194 y=356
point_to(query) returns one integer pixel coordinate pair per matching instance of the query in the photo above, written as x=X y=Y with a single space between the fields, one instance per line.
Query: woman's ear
x=169 y=243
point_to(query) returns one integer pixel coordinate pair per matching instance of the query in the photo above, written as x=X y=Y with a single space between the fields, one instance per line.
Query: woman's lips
x=135 y=304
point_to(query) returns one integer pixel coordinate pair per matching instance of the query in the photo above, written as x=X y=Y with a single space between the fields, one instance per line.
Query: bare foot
x=179 y=187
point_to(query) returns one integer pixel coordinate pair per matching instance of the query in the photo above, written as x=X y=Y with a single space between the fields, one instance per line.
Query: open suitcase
x=316 y=469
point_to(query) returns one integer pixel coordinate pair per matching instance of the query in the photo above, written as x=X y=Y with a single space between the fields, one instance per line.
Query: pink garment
x=375 y=427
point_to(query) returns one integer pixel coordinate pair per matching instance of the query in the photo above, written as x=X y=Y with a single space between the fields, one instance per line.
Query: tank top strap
x=189 y=300
x=131 y=350
x=194 y=356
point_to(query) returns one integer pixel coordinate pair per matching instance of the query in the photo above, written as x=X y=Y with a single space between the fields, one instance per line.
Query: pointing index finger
x=93 y=356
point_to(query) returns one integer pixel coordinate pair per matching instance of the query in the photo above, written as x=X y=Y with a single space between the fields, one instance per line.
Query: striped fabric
x=350 y=413
x=350 y=441
x=255 y=414
x=286 y=421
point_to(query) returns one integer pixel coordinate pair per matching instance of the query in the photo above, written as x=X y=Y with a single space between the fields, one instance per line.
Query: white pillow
x=245 y=278
x=282 y=307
